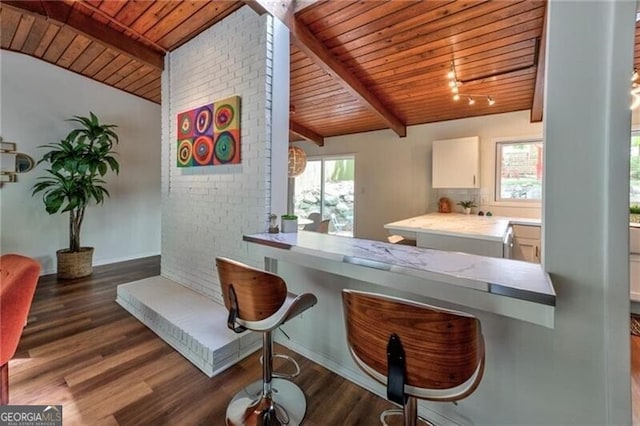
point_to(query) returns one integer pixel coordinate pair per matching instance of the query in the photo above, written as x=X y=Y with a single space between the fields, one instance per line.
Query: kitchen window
x=519 y=170
x=327 y=187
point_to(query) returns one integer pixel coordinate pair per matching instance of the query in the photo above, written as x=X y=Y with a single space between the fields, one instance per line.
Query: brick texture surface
x=206 y=210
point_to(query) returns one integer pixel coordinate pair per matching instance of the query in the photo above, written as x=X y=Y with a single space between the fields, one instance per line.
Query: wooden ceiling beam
x=322 y=56
x=64 y=14
x=537 y=104
x=305 y=133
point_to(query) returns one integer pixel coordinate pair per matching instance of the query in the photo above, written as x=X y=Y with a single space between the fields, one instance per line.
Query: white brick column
x=206 y=210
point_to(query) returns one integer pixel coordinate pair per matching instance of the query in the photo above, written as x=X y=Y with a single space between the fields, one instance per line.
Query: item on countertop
x=289 y=223
x=273 y=226
x=466 y=206
x=444 y=205
x=480 y=213
x=489 y=214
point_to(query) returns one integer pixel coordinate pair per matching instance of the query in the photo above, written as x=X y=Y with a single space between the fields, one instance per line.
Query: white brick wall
x=206 y=210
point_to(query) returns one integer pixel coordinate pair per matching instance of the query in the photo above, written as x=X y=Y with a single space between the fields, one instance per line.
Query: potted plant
x=77 y=165
x=289 y=223
x=466 y=206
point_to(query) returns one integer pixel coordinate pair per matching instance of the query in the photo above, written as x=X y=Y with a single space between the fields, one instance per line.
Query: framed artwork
x=210 y=135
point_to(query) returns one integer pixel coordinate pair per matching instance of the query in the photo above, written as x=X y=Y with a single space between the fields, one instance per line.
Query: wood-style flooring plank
x=82 y=350
x=129 y=376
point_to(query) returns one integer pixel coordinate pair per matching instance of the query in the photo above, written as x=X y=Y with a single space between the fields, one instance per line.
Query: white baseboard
x=100 y=262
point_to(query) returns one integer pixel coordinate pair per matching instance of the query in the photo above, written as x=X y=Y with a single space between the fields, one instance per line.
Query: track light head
x=455 y=84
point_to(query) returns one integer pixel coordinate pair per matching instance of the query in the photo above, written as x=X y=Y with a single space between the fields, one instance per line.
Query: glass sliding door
x=326 y=188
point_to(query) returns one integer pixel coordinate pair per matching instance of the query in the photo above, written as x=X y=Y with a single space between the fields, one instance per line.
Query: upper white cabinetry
x=456 y=163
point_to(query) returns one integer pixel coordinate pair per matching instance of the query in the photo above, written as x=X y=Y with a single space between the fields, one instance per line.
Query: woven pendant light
x=297 y=161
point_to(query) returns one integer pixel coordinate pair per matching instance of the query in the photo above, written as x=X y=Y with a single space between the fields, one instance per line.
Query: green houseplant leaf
x=466 y=204
x=77 y=164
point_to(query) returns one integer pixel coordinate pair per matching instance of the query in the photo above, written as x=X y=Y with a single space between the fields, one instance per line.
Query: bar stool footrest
x=277 y=375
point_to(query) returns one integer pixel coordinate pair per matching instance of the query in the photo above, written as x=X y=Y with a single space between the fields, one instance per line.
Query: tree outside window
x=519 y=171
x=327 y=187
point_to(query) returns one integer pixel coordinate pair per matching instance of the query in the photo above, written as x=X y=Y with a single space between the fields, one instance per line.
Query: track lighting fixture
x=454 y=85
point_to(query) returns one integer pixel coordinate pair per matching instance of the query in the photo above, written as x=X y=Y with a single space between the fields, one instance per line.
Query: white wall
x=393 y=175
x=579 y=372
x=36 y=99
x=206 y=210
x=587 y=128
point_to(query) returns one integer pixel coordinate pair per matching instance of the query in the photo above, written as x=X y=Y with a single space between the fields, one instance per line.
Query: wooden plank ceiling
x=120 y=43
x=398 y=52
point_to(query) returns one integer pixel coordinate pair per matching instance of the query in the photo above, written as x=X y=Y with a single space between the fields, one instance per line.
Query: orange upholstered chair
x=18 y=279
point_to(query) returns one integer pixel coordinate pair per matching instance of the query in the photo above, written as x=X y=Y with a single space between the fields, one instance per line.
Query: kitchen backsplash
x=483 y=199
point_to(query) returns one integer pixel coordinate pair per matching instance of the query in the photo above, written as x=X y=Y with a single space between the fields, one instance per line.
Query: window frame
x=497 y=162
x=333 y=157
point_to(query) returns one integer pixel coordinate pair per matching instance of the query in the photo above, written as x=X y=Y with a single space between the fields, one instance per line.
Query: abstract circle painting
x=185 y=125
x=224 y=116
x=225 y=148
x=203 y=120
x=184 y=153
x=210 y=134
x=203 y=150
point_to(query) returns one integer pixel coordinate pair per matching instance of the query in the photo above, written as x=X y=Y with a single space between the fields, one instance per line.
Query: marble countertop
x=512 y=278
x=491 y=228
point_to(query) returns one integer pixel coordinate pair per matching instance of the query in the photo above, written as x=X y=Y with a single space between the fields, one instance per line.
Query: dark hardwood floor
x=82 y=350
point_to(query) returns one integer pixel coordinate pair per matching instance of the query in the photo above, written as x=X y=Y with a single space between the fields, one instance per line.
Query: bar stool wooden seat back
x=258 y=301
x=418 y=351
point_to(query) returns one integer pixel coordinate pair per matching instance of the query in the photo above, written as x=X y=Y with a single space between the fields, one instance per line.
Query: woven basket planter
x=75 y=264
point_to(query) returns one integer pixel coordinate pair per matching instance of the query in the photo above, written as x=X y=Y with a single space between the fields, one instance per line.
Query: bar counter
x=510 y=288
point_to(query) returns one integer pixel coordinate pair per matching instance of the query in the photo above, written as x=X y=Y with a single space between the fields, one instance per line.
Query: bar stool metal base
x=287 y=405
x=399 y=412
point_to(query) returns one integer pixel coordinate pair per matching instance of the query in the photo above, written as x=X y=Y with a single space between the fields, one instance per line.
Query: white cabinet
x=456 y=163
x=526 y=243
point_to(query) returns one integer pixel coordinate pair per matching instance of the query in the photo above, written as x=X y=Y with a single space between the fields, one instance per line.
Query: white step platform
x=192 y=324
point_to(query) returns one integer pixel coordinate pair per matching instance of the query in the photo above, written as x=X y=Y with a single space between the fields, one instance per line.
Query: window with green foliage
x=519 y=170
x=327 y=187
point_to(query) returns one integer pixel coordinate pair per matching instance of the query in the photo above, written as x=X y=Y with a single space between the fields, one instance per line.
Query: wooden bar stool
x=416 y=350
x=258 y=300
